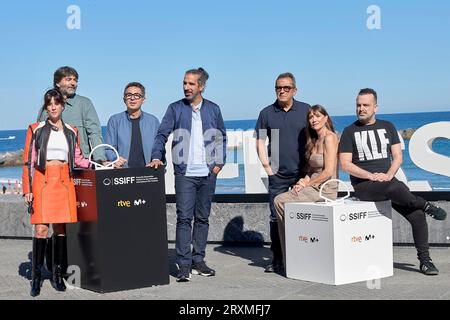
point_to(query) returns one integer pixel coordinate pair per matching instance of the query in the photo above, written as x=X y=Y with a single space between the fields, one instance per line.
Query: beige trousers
x=308 y=194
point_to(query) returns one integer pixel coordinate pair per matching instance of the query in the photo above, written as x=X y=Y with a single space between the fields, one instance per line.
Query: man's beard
x=68 y=93
x=364 y=119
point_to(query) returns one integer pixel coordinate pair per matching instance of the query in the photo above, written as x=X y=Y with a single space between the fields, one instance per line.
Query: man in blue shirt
x=132 y=132
x=283 y=123
x=199 y=152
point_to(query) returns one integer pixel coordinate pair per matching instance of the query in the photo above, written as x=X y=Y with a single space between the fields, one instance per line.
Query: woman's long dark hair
x=55 y=94
x=311 y=134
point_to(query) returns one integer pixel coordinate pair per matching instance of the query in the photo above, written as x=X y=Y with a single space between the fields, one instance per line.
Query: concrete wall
x=14 y=219
x=230 y=222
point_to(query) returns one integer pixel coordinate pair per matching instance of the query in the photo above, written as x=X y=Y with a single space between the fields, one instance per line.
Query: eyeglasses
x=135 y=96
x=284 y=88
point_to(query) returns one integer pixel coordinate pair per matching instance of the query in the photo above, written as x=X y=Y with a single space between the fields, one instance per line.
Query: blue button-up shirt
x=196 y=166
x=118 y=134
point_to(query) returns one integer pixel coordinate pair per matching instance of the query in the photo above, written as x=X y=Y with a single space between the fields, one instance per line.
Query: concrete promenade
x=239 y=276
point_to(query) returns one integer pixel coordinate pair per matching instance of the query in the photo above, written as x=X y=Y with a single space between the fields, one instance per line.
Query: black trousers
x=405 y=203
x=277 y=185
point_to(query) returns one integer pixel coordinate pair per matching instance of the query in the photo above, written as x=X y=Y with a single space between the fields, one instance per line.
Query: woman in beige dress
x=321 y=165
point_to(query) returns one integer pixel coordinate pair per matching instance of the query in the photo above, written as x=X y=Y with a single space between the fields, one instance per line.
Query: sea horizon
x=379 y=115
x=13 y=140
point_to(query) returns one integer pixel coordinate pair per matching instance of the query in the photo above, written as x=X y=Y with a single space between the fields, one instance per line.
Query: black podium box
x=120 y=241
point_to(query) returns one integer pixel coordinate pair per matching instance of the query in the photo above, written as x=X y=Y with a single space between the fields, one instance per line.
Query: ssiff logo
x=119 y=181
x=300 y=215
x=354 y=216
x=124 y=180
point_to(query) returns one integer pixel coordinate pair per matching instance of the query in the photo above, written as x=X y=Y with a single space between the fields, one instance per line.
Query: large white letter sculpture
x=421 y=152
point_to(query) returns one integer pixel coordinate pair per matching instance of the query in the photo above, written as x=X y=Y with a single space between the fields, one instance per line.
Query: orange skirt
x=54 y=196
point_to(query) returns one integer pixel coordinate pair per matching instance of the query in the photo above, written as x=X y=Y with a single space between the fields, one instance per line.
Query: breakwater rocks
x=11 y=159
x=406 y=133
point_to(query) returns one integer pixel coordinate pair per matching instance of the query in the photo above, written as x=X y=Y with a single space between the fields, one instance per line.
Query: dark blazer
x=178 y=119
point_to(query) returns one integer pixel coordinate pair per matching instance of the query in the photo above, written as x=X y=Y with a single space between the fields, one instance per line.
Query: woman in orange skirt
x=50 y=154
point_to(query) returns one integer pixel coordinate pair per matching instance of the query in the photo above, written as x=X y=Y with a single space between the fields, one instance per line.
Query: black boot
x=37 y=262
x=277 y=262
x=49 y=255
x=64 y=259
x=58 y=260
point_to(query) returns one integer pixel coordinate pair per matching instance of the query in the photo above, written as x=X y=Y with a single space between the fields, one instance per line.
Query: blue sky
x=243 y=45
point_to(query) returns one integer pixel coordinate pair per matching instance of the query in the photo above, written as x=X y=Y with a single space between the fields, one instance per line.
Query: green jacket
x=80 y=112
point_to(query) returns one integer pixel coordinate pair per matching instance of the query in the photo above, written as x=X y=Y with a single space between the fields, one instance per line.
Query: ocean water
x=12 y=140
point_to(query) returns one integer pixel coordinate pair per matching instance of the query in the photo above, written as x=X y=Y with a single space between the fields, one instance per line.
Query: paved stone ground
x=239 y=276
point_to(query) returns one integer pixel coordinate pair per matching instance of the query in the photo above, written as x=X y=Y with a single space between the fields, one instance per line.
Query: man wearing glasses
x=283 y=122
x=132 y=132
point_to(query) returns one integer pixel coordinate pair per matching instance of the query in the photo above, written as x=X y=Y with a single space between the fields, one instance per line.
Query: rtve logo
x=359 y=239
x=128 y=203
x=300 y=215
x=307 y=239
x=354 y=216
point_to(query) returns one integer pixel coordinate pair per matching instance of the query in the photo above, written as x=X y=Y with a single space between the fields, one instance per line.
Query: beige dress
x=308 y=194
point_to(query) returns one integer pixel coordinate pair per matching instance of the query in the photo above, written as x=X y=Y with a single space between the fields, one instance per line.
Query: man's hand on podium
x=120 y=163
x=98 y=161
x=155 y=164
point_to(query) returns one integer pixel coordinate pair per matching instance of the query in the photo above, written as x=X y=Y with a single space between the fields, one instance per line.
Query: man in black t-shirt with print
x=370 y=151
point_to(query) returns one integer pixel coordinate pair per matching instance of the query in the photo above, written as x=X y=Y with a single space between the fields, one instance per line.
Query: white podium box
x=339 y=242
